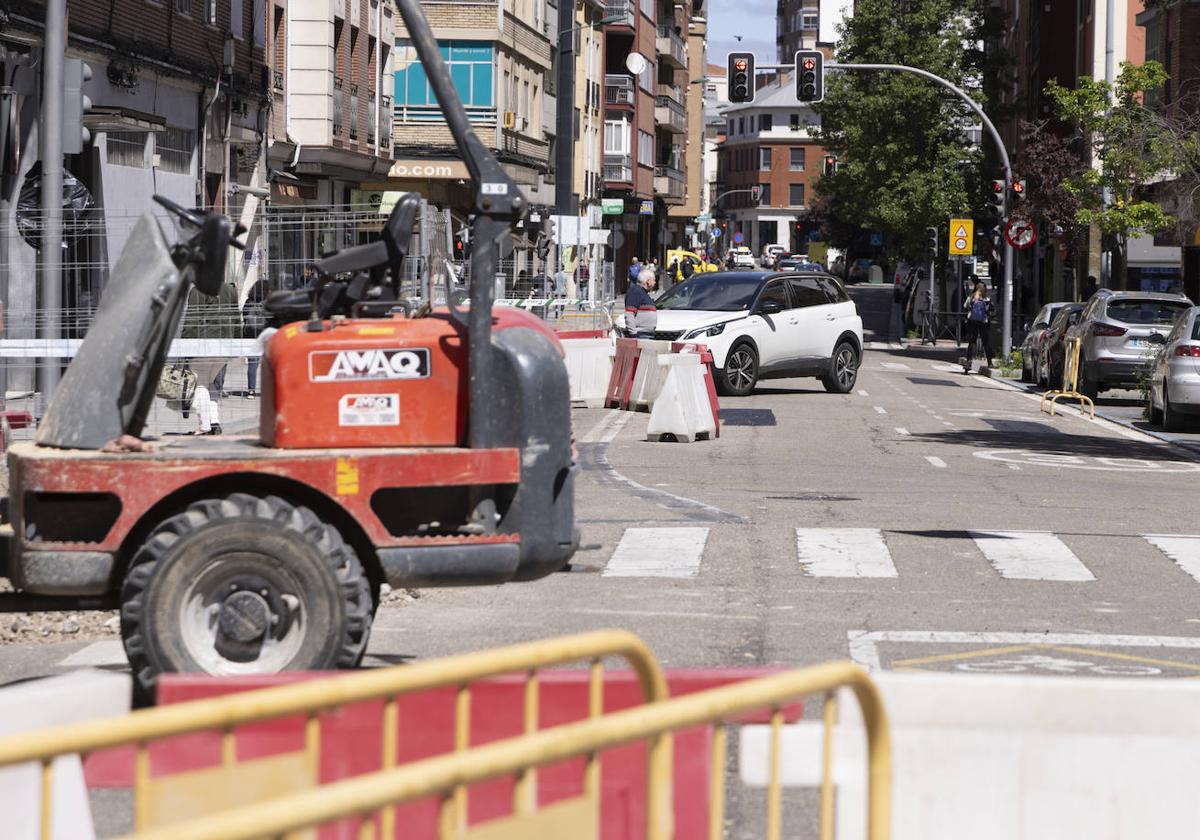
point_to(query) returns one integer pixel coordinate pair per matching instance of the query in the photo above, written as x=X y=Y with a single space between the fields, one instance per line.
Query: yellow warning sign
x=962 y=237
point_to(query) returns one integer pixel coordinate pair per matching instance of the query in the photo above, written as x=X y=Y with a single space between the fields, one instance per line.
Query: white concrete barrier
x=39 y=704
x=1011 y=758
x=681 y=409
x=589 y=367
x=649 y=377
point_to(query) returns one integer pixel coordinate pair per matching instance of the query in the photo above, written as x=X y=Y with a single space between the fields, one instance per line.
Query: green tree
x=1130 y=146
x=904 y=163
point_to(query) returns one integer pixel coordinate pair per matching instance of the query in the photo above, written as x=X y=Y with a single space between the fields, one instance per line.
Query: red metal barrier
x=620 y=383
x=351 y=744
x=581 y=334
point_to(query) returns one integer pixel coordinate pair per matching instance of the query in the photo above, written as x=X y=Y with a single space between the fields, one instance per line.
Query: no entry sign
x=1020 y=233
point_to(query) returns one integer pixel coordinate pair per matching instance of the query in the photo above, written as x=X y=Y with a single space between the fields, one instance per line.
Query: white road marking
x=900 y=430
x=937 y=416
x=863 y=393
x=1084 y=462
x=608 y=427
x=864 y=644
x=948 y=368
x=844 y=553
x=1184 y=550
x=880 y=410
x=936 y=461
x=658 y=552
x=1014 y=467
x=947 y=423
x=895 y=366
x=97 y=655
x=1071 y=411
x=1030 y=555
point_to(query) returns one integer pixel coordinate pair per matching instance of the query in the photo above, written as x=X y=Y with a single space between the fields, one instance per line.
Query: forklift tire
x=243 y=585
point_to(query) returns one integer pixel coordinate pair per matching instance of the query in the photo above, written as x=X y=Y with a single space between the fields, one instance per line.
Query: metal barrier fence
x=370 y=797
x=1070 y=383
x=312 y=699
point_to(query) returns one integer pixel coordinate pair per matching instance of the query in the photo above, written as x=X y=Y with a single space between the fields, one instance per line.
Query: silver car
x=1175 y=377
x=1120 y=331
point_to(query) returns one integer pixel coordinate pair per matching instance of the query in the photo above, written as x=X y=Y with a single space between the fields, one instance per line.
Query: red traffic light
x=739 y=64
x=998 y=187
x=809 y=64
x=1019 y=187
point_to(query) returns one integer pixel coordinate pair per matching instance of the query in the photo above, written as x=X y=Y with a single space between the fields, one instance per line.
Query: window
x=833 y=290
x=741 y=125
x=764 y=193
x=794 y=122
x=470 y=65
x=645 y=149
x=646 y=80
x=174 y=147
x=184 y=7
x=525 y=112
x=774 y=291
x=764 y=158
x=237 y=20
x=795 y=195
x=616 y=135
x=808 y=20
x=260 y=23
x=807 y=291
x=796 y=159
x=210 y=12
x=764 y=122
x=128 y=148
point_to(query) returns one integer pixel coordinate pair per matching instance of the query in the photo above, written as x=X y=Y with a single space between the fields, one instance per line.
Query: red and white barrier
x=638 y=378
x=681 y=411
x=589 y=361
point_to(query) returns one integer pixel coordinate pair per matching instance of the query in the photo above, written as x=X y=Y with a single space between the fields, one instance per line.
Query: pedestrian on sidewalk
x=641 y=315
x=635 y=269
x=211 y=317
x=979 y=310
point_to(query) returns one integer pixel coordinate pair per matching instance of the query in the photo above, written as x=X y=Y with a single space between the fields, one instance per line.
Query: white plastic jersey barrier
x=589 y=366
x=71 y=698
x=181 y=348
x=649 y=377
x=681 y=409
x=1011 y=758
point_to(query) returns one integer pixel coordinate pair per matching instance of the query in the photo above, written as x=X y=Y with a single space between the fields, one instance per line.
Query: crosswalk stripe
x=844 y=553
x=895 y=366
x=658 y=552
x=1030 y=555
x=1184 y=550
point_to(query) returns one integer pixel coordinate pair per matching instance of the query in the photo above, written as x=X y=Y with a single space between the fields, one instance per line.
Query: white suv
x=742 y=257
x=764 y=325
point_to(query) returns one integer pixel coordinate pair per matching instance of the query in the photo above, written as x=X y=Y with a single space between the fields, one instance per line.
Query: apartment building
x=770 y=144
x=681 y=228
x=500 y=59
x=797 y=24
x=180 y=93
x=330 y=127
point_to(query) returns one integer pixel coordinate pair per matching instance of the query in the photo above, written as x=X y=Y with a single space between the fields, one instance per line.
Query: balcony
x=669 y=183
x=624 y=9
x=673 y=92
x=405 y=113
x=619 y=90
x=670 y=115
x=618 y=168
x=671 y=46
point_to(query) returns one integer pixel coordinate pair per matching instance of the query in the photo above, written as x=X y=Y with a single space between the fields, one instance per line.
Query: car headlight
x=706 y=332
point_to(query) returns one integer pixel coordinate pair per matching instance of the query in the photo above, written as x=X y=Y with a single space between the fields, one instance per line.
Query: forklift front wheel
x=244 y=585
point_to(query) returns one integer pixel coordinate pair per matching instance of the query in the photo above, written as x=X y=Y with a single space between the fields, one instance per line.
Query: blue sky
x=754 y=20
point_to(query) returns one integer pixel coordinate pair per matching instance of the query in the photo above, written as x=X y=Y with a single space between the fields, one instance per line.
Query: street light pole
x=564 y=150
x=50 y=252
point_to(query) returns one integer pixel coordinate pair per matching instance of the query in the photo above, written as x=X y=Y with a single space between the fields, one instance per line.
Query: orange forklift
x=414 y=449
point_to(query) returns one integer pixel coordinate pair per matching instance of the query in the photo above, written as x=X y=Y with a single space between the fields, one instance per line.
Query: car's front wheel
x=843 y=369
x=738 y=377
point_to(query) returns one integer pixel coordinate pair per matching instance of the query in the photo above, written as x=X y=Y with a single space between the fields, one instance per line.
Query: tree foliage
x=904 y=164
x=1130 y=146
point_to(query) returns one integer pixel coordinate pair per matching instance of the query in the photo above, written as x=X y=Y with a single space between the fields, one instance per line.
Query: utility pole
x=564 y=149
x=50 y=253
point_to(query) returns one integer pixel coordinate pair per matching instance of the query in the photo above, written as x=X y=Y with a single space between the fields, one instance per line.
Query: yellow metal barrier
x=233 y=783
x=1070 y=388
x=577 y=818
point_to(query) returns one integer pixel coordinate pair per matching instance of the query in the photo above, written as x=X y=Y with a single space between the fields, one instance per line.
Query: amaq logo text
x=342 y=365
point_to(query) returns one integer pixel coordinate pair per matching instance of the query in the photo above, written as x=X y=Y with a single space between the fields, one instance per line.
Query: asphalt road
x=941 y=516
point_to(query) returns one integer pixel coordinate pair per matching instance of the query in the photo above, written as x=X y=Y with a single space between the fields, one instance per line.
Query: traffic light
x=830 y=164
x=462 y=245
x=996 y=198
x=931 y=242
x=755 y=194
x=810 y=76
x=1018 y=188
x=741 y=77
x=75 y=104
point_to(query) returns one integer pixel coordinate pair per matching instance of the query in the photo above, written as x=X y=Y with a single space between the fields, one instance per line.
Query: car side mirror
x=770 y=307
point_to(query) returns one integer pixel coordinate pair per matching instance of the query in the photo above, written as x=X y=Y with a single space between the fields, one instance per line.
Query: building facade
x=797 y=25
x=769 y=144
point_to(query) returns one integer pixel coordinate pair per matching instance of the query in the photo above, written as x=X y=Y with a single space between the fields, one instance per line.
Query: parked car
x=860 y=271
x=767 y=325
x=742 y=258
x=1051 y=358
x=771 y=255
x=1175 y=375
x=1120 y=332
x=1031 y=347
x=797 y=263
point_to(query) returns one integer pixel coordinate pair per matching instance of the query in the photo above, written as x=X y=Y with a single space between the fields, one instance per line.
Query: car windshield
x=1148 y=312
x=713 y=292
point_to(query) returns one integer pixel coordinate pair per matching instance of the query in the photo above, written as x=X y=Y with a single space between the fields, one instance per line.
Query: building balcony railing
x=619 y=90
x=669 y=182
x=670 y=115
x=404 y=113
x=618 y=168
x=674 y=92
x=624 y=9
x=671 y=46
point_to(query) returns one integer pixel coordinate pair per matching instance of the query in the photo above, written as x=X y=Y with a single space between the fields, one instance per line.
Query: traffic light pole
x=1006 y=309
x=50 y=136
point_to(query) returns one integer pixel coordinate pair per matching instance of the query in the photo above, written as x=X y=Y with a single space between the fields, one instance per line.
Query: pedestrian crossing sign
x=962 y=237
